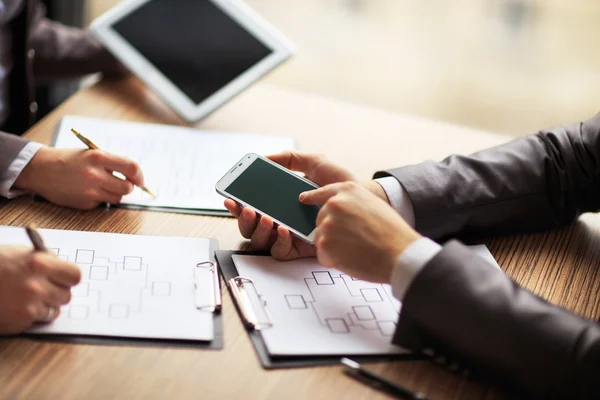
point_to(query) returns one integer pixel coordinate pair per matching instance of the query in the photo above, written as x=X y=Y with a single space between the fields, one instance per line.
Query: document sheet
x=181 y=165
x=131 y=286
x=322 y=311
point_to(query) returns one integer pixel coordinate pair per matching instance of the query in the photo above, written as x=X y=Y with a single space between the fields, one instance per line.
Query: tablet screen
x=193 y=43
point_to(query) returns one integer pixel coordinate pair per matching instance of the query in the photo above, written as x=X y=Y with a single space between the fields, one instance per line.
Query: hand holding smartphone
x=272 y=190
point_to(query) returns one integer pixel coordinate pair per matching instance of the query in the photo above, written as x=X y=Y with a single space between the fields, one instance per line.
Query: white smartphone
x=272 y=190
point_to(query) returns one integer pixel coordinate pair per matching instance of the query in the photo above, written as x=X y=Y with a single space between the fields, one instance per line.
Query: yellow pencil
x=92 y=146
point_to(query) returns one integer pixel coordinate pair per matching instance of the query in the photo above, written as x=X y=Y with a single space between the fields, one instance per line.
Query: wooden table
x=560 y=265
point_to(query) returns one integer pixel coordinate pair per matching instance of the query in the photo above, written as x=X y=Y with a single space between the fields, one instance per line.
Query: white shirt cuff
x=14 y=170
x=398 y=198
x=410 y=263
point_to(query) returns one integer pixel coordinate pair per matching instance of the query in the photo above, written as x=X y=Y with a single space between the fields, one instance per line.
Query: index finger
x=320 y=196
x=66 y=275
x=59 y=272
x=234 y=208
x=125 y=166
x=295 y=161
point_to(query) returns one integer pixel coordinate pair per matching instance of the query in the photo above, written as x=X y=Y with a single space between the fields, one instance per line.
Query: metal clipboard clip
x=249 y=300
x=214 y=287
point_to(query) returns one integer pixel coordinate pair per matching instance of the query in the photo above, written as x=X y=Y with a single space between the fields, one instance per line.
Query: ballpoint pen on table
x=355 y=370
x=93 y=146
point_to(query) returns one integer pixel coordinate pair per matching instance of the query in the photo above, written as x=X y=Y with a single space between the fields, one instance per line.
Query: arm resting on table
x=467 y=310
x=15 y=154
x=532 y=183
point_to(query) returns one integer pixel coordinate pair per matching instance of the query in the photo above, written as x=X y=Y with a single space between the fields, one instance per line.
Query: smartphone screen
x=275 y=193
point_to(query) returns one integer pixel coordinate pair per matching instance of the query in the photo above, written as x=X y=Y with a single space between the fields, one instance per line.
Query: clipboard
x=255 y=321
x=215 y=307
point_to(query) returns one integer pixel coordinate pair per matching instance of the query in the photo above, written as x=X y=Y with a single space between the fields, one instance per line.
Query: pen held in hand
x=93 y=146
x=36 y=239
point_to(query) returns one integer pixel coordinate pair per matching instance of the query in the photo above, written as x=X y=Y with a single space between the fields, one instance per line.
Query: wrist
x=377 y=190
x=33 y=173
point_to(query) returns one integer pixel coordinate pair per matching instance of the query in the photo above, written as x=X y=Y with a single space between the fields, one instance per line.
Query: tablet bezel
x=281 y=48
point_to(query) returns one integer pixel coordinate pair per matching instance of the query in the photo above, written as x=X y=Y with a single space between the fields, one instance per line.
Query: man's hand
x=264 y=235
x=357 y=232
x=281 y=243
x=79 y=178
x=30 y=283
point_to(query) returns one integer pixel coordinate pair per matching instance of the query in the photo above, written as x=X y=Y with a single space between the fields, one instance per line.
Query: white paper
x=181 y=165
x=132 y=286
x=321 y=311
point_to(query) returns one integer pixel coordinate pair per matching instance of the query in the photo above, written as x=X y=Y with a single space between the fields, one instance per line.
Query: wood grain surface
x=560 y=265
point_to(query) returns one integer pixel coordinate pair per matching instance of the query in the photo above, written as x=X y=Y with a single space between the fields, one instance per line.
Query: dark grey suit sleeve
x=469 y=311
x=64 y=52
x=10 y=147
x=531 y=183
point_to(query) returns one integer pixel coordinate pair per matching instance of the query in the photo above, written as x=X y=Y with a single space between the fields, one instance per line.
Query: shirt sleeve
x=398 y=198
x=418 y=254
x=8 y=178
x=410 y=263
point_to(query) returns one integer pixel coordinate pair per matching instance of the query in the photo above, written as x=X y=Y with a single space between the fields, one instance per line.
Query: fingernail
x=302 y=196
x=246 y=216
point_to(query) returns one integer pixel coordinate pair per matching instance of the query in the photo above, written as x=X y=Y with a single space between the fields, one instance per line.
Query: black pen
x=35 y=238
x=355 y=370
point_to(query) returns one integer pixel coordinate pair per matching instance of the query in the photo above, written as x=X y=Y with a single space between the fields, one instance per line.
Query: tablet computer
x=195 y=54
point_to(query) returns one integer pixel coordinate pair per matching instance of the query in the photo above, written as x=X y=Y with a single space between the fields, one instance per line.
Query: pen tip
x=150 y=192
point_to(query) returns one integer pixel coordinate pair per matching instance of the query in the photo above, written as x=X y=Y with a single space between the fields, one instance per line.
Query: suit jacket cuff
x=15 y=168
x=419 y=185
x=398 y=198
x=10 y=146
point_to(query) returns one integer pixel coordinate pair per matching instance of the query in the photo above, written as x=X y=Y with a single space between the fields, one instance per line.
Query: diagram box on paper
x=98 y=273
x=84 y=256
x=132 y=263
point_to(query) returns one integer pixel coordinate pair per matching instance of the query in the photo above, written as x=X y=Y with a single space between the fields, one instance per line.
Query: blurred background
x=507 y=66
